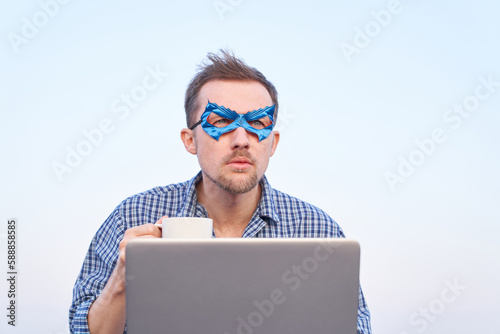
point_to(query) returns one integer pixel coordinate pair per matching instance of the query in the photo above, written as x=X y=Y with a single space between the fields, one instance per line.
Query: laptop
x=242 y=286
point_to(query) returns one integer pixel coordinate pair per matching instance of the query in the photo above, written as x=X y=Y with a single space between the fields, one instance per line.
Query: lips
x=240 y=162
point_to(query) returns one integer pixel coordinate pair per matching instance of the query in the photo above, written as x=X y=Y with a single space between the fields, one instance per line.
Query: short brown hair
x=223 y=66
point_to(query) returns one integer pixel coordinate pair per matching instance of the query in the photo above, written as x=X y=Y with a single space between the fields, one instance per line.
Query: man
x=231 y=109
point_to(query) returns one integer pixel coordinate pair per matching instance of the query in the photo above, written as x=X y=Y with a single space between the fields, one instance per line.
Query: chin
x=238 y=185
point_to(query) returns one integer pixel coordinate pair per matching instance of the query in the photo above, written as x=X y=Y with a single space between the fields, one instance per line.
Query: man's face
x=237 y=161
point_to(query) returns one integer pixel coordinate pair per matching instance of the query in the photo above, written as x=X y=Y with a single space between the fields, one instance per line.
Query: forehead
x=240 y=96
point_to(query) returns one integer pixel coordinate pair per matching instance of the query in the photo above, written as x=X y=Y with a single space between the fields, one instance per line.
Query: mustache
x=237 y=154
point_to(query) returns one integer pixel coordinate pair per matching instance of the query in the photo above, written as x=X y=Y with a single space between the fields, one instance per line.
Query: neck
x=230 y=213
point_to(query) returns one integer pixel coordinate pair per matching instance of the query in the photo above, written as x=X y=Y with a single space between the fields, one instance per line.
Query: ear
x=187 y=137
x=276 y=139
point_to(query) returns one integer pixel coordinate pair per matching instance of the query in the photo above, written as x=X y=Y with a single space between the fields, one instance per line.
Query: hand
x=108 y=312
x=142 y=231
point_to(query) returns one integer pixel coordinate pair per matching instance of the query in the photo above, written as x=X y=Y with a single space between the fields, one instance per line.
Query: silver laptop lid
x=242 y=286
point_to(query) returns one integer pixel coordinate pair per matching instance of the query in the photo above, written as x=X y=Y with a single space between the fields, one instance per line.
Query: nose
x=240 y=139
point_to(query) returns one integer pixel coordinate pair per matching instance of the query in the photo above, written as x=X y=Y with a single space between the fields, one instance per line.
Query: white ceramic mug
x=187 y=228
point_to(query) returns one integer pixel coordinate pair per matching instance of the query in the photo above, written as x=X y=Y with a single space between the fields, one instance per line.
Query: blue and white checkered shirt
x=278 y=215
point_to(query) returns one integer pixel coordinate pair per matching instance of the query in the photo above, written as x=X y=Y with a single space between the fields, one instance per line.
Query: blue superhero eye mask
x=217 y=120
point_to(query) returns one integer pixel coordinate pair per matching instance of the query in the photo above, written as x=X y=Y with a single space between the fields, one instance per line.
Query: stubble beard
x=240 y=185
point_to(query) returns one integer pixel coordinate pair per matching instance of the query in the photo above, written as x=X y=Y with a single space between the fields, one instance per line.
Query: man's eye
x=257 y=124
x=221 y=122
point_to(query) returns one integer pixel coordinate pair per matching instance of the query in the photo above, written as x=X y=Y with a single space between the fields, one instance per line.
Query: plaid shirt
x=278 y=215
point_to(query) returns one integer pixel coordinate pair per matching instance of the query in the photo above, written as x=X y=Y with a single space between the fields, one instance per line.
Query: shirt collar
x=191 y=208
x=266 y=204
x=190 y=203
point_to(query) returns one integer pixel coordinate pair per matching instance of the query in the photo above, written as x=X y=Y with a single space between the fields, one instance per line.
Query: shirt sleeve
x=97 y=268
x=364 y=326
x=364 y=321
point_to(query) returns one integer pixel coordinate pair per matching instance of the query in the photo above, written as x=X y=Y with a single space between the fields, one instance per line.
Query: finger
x=140 y=231
x=123 y=244
x=146 y=229
x=135 y=232
x=159 y=222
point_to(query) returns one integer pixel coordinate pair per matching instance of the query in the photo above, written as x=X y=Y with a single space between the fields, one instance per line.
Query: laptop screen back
x=242 y=286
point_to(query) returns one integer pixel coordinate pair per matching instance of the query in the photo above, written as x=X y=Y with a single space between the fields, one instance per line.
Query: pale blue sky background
x=343 y=125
